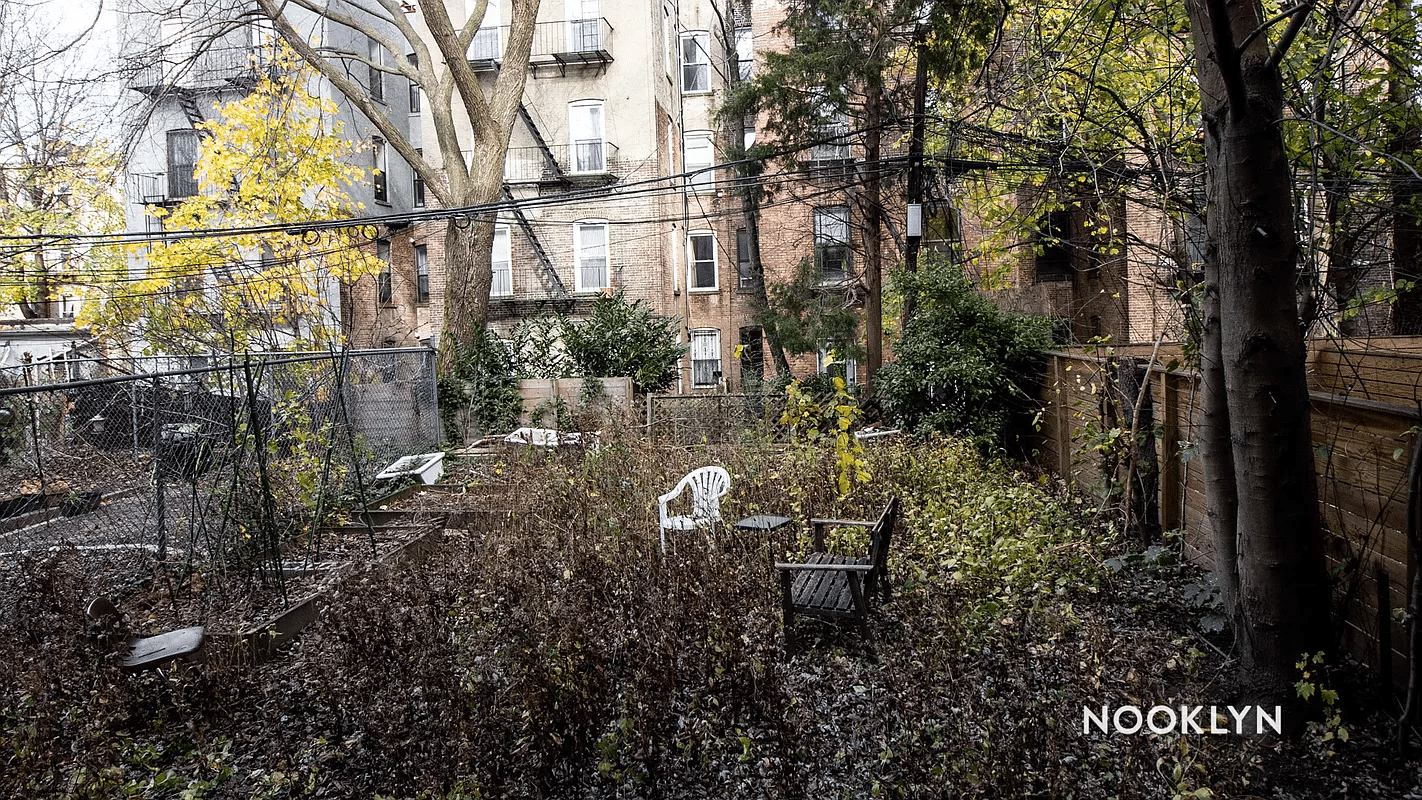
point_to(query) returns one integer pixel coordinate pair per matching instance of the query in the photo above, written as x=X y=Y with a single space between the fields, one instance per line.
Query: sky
x=59 y=23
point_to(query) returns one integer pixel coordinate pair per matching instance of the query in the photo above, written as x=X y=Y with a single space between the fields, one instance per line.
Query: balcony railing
x=215 y=67
x=530 y=164
x=563 y=43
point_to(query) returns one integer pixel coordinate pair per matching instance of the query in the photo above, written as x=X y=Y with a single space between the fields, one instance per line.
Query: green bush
x=624 y=339
x=483 y=384
x=963 y=366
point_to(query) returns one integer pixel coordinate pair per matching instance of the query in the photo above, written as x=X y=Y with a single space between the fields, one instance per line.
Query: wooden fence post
x=1063 y=420
x=1171 y=476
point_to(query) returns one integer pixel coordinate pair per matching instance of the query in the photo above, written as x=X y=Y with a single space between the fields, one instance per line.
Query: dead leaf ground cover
x=548 y=649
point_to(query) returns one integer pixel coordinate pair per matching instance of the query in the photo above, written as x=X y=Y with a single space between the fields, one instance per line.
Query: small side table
x=763 y=523
x=766 y=523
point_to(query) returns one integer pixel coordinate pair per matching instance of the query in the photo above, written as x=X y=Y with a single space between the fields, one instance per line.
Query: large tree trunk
x=1251 y=262
x=468 y=277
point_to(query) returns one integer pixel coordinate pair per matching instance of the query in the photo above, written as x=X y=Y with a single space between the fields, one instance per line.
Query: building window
x=417 y=188
x=833 y=135
x=701 y=260
x=380 y=164
x=705 y=358
x=835 y=362
x=485 y=46
x=1054 y=259
x=832 y=243
x=415 y=104
x=745 y=272
x=182 y=163
x=177 y=47
x=585 y=136
x=695 y=62
x=590 y=256
x=584 y=34
x=376 y=54
x=263 y=40
x=668 y=28
x=501 y=263
x=697 y=158
x=384 y=285
x=745 y=54
x=422 y=273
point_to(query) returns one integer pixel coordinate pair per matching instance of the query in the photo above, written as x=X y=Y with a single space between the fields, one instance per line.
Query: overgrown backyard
x=547 y=648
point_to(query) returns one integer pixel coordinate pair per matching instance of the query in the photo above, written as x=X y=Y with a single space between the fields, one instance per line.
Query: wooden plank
x=1170 y=466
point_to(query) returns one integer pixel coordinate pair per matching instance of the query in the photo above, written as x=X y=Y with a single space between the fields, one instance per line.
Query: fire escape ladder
x=549 y=162
x=551 y=282
x=190 y=107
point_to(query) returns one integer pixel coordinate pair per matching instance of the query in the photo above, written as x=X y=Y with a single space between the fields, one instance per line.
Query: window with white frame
x=485 y=46
x=380 y=158
x=177 y=47
x=590 y=256
x=668 y=28
x=695 y=62
x=835 y=361
x=833 y=135
x=415 y=99
x=701 y=260
x=745 y=272
x=745 y=54
x=422 y=273
x=832 y=242
x=584 y=33
x=417 y=188
x=501 y=262
x=698 y=156
x=705 y=358
x=263 y=40
x=376 y=54
x=585 y=136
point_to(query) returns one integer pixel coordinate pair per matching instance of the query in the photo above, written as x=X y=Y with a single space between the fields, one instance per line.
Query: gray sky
x=59 y=23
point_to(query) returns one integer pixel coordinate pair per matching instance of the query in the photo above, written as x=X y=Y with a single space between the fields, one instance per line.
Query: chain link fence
x=221 y=472
x=712 y=418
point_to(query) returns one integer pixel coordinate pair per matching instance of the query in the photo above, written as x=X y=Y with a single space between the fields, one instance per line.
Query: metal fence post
x=155 y=449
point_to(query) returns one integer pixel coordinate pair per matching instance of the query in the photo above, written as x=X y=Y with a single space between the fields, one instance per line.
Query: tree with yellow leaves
x=273 y=159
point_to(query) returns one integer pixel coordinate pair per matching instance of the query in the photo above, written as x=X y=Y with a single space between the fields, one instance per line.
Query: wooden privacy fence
x=1366 y=400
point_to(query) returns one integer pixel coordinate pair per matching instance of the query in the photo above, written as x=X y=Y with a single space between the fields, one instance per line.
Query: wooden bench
x=837 y=587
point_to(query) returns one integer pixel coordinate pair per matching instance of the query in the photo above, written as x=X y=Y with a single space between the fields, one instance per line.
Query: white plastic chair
x=708 y=486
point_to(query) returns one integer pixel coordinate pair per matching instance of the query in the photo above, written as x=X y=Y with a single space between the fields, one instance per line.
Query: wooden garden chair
x=838 y=587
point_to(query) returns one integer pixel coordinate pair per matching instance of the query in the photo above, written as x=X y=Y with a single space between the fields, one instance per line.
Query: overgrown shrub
x=963 y=366
x=619 y=338
x=624 y=339
x=483 y=387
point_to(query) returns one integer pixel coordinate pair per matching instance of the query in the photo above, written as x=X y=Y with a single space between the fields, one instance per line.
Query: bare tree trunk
x=467 y=282
x=1221 y=492
x=873 y=226
x=1283 y=587
x=760 y=302
x=1405 y=140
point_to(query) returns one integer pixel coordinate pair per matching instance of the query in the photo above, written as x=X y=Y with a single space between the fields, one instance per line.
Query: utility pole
x=915 y=171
